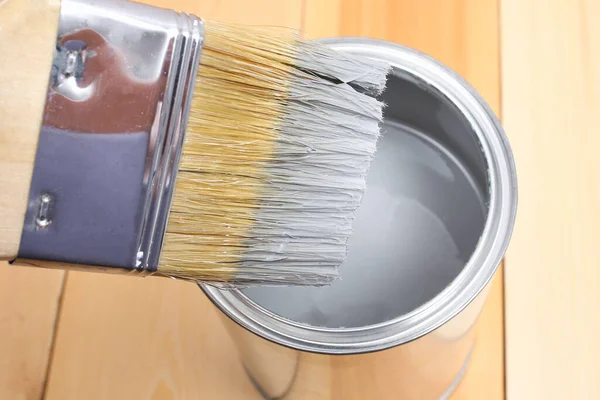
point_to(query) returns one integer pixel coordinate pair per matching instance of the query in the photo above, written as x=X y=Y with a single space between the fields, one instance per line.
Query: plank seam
x=57 y=318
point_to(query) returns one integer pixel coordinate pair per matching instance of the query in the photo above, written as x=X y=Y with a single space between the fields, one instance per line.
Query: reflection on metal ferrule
x=116 y=110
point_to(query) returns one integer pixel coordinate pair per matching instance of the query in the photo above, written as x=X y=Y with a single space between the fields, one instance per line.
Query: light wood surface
x=131 y=338
x=30 y=25
x=128 y=338
x=551 y=103
x=29 y=301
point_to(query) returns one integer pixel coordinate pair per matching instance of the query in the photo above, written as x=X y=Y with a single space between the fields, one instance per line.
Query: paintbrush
x=185 y=148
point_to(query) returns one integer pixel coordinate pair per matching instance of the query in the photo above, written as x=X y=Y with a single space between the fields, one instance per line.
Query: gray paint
x=417 y=226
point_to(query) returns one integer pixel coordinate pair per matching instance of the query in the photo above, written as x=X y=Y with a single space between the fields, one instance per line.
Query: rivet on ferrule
x=43 y=216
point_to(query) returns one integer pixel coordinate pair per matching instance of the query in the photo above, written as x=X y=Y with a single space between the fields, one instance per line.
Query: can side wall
x=420 y=370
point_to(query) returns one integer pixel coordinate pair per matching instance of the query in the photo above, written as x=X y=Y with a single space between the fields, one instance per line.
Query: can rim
x=477 y=272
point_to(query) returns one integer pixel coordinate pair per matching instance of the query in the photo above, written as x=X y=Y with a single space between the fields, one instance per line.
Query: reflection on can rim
x=477 y=272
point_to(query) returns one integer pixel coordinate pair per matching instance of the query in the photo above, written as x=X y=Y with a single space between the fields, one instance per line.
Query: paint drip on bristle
x=274 y=162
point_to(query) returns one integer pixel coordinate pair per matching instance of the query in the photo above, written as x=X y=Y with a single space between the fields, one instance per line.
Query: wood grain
x=142 y=338
x=29 y=300
x=465 y=36
x=27 y=36
x=551 y=103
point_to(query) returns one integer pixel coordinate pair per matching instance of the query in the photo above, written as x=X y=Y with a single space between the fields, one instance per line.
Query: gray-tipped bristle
x=328 y=137
x=280 y=137
x=366 y=74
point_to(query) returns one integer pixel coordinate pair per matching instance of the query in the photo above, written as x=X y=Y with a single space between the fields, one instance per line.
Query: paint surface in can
x=414 y=232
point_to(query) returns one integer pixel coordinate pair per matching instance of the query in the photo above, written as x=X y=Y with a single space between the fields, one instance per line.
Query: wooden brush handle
x=27 y=36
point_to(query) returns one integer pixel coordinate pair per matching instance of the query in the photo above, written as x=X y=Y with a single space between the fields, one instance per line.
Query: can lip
x=477 y=272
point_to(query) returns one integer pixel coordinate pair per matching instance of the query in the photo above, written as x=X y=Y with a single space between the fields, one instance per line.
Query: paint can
x=432 y=230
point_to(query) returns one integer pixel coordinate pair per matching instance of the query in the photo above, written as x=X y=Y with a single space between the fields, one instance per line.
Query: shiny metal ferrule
x=116 y=111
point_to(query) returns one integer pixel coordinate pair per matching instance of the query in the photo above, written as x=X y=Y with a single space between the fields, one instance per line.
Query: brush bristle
x=273 y=167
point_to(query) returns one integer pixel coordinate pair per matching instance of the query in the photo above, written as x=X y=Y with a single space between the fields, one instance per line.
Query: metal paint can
x=432 y=230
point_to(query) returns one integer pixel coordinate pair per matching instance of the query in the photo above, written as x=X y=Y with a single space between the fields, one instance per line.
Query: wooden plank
x=551 y=103
x=132 y=338
x=29 y=299
x=463 y=35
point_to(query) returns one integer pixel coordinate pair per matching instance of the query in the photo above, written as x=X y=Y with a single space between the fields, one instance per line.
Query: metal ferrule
x=116 y=111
